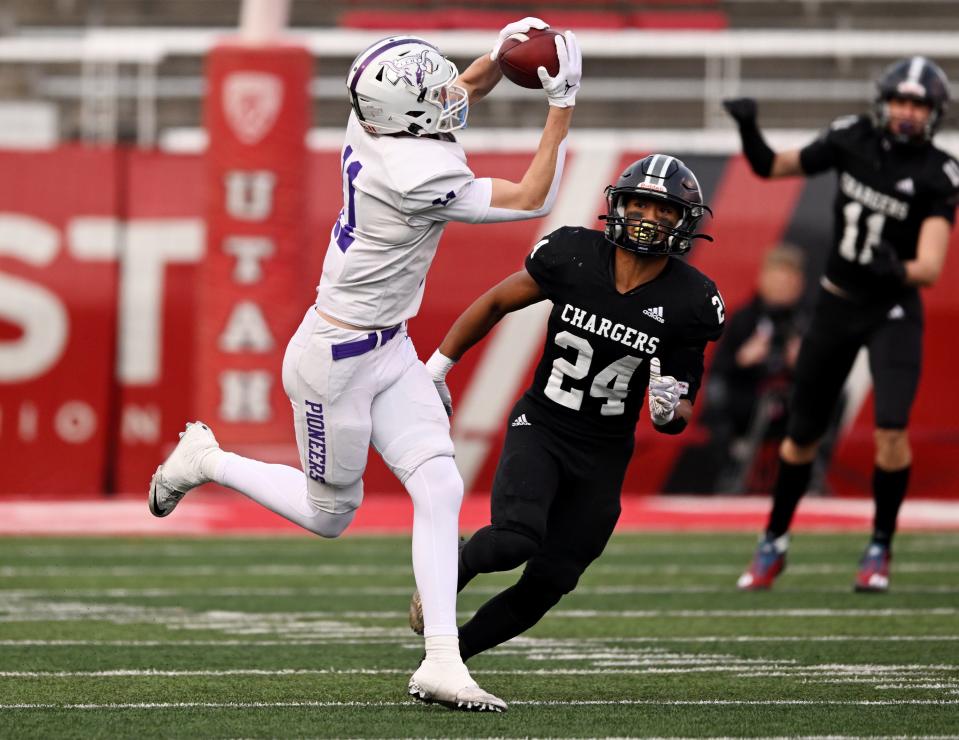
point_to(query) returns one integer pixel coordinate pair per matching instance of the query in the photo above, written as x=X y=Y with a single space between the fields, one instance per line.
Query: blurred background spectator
x=748 y=386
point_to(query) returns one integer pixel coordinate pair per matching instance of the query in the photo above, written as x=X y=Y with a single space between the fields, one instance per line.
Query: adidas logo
x=906 y=186
x=655 y=313
x=520 y=421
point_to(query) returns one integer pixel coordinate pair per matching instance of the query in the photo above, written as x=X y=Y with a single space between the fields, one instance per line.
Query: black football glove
x=886 y=265
x=758 y=153
x=742 y=110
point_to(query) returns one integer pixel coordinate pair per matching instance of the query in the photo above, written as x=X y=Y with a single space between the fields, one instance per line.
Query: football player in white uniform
x=350 y=370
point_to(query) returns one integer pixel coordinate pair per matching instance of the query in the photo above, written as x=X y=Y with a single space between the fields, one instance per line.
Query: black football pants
x=840 y=327
x=554 y=505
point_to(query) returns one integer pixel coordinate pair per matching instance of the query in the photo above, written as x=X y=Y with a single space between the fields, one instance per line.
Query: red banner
x=252 y=285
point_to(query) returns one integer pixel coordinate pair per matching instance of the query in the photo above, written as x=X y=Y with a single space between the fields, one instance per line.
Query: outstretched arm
x=480 y=78
x=515 y=292
x=534 y=195
x=764 y=161
x=541 y=179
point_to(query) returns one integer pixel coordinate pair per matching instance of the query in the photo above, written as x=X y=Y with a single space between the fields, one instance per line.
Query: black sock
x=791 y=482
x=506 y=615
x=493 y=623
x=888 y=491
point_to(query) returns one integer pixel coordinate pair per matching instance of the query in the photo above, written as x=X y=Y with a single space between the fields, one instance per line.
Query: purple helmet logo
x=412 y=70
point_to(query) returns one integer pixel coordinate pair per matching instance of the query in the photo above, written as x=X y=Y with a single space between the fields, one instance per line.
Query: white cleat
x=451 y=685
x=183 y=469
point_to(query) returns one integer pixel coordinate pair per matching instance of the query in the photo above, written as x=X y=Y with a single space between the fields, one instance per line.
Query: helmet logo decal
x=652 y=186
x=910 y=88
x=412 y=70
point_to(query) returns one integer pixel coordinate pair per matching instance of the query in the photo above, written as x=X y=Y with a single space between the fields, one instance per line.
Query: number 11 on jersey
x=346 y=221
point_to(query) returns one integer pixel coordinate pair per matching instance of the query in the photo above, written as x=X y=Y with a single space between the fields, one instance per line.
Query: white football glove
x=561 y=90
x=516 y=27
x=438 y=365
x=663 y=394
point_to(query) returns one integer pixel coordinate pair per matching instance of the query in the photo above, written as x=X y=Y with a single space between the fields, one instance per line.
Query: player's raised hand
x=438 y=366
x=516 y=27
x=561 y=90
x=741 y=109
x=663 y=394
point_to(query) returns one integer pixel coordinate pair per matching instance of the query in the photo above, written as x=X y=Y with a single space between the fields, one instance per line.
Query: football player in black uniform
x=626 y=314
x=893 y=212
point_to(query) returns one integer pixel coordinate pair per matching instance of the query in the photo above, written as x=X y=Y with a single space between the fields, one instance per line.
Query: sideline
x=226 y=513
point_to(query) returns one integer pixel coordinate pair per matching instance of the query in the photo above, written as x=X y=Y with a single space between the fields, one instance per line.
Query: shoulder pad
x=843 y=122
x=951 y=170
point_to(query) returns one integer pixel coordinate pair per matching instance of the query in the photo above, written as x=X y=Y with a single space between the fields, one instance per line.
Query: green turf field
x=307 y=638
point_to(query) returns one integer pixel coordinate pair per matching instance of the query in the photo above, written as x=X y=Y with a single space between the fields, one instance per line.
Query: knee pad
x=331 y=526
x=335 y=500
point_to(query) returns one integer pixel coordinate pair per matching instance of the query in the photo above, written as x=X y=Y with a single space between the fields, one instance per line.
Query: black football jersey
x=885 y=193
x=592 y=376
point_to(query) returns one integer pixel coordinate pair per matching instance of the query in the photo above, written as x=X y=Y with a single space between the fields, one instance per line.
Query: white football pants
x=380 y=393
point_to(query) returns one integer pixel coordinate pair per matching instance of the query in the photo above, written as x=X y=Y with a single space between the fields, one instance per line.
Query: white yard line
x=123 y=571
x=528 y=703
x=373 y=591
x=413 y=643
x=32 y=611
x=853 y=673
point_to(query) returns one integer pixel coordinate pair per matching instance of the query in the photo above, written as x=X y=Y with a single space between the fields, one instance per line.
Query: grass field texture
x=302 y=637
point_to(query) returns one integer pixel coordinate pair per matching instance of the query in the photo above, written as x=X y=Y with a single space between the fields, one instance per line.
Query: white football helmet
x=403 y=83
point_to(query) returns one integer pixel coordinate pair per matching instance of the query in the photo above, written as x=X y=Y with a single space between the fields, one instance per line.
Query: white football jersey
x=398 y=194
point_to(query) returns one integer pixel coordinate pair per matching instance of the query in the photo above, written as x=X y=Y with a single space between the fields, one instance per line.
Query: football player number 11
x=852 y=212
x=611 y=383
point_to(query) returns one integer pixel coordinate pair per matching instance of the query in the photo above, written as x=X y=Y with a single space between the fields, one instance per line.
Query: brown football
x=523 y=53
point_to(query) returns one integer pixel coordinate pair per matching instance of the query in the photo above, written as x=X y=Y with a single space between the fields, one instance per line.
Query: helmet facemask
x=651 y=236
x=906 y=134
x=451 y=99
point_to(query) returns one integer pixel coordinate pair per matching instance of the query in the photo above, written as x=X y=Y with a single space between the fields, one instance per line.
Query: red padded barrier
x=257 y=114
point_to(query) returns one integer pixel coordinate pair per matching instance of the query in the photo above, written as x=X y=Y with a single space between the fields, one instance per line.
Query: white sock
x=281 y=489
x=443 y=649
x=437 y=492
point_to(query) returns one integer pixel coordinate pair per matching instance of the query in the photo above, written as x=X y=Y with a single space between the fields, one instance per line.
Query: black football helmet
x=912 y=78
x=656 y=176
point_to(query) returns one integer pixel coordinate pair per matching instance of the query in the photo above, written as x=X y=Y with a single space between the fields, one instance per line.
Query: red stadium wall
x=100 y=292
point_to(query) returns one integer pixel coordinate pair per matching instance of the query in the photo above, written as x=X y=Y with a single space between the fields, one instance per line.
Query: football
x=523 y=53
